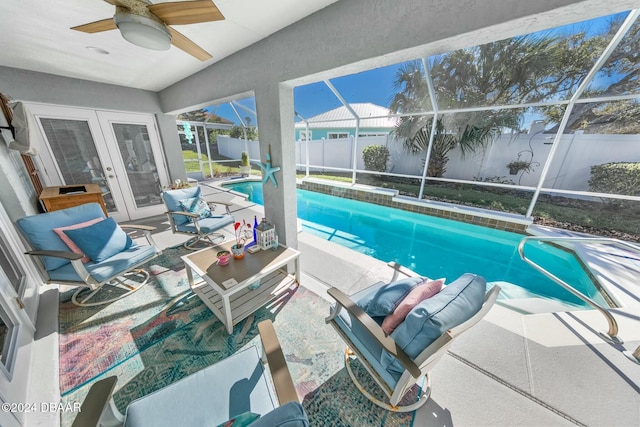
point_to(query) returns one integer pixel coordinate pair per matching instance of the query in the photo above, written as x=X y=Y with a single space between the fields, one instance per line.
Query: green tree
x=200 y=115
x=237 y=132
x=518 y=70
x=620 y=75
x=464 y=78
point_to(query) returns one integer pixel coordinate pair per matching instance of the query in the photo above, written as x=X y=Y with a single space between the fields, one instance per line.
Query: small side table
x=66 y=196
x=227 y=290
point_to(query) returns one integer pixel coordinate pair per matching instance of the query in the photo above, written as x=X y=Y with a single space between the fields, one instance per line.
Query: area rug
x=162 y=333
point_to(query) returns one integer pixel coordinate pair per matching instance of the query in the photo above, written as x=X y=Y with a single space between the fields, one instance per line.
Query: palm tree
x=504 y=72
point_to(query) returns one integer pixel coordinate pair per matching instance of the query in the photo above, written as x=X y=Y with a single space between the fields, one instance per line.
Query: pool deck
x=514 y=368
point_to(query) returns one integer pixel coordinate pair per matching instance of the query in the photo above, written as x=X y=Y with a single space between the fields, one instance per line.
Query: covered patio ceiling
x=36 y=36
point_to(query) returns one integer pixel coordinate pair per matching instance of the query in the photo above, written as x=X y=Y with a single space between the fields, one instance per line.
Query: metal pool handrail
x=611 y=334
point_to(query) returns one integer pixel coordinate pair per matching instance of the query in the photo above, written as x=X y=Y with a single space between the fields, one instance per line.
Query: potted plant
x=243 y=231
x=179 y=184
x=516 y=166
x=245 y=166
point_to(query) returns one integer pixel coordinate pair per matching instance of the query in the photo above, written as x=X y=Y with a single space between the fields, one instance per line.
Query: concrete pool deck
x=513 y=368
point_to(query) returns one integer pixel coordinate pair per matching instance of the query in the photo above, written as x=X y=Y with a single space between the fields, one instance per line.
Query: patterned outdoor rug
x=162 y=333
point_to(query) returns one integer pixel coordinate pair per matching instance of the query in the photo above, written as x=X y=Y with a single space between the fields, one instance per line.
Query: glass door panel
x=76 y=155
x=135 y=150
x=72 y=150
x=138 y=163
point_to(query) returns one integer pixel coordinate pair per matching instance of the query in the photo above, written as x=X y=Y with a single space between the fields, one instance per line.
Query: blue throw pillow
x=381 y=301
x=196 y=205
x=101 y=240
x=288 y=415
x=453 y=305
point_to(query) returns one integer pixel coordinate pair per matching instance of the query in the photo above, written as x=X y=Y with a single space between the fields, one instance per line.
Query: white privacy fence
x=570 y=169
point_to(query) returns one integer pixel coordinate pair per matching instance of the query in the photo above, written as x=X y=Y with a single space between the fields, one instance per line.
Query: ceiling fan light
x=143 y=32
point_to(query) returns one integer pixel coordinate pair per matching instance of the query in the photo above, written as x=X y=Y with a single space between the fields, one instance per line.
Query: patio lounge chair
x=80 y=246
x=231 y=388
x=397 y=362
x=190 y=214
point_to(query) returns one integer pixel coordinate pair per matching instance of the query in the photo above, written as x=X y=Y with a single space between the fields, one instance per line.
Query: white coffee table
x=227 y=290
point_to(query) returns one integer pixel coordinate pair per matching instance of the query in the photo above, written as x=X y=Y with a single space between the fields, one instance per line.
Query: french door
x=120 y=152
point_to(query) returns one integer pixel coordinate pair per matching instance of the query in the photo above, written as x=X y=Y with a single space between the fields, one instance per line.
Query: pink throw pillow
x=67 y=241
x=425 y=290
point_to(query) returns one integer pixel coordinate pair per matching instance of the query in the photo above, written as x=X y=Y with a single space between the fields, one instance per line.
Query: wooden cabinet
x=66 y=196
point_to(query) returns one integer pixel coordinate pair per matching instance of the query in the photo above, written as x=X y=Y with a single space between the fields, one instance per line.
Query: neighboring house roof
x=342 y=118
x=214 y=118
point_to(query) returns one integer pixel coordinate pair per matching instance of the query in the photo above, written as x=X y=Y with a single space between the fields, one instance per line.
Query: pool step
x=524 y=301
x=536 y=305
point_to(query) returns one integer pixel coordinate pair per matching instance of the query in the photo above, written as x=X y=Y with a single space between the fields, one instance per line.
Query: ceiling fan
x=148 y=25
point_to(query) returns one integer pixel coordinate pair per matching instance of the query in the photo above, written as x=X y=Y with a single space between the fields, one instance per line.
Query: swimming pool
x=436 y=247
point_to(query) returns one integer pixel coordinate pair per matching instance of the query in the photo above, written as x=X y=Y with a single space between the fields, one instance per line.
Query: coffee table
x=231 y=291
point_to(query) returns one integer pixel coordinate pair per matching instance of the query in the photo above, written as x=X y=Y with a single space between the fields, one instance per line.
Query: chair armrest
x=374 y=329
x=145 y=229
x=96 y=405
x=137 y=227
x=219 y=202
x=189 y=214
x=400 y=269
x=277 y=364
x=226 y=205
x=71 y=256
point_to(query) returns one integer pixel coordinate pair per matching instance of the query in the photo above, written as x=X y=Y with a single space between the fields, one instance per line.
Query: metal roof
x=341 y=118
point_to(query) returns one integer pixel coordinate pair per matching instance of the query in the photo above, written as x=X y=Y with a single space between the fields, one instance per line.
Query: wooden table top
x=205 y=262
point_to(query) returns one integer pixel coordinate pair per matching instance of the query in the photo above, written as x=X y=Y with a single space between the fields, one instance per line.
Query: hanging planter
x=518 y=165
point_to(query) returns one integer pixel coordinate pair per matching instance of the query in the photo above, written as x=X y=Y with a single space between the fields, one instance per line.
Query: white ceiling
x=35 y=35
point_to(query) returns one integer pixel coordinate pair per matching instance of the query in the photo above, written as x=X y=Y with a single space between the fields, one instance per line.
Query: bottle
x=255 y=226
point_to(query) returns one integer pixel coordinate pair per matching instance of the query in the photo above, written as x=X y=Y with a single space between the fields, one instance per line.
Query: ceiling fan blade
x=186 y=12
x=97 y=26
x=182 y=42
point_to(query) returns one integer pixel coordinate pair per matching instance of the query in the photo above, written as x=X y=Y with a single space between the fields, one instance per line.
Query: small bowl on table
x=223 y=257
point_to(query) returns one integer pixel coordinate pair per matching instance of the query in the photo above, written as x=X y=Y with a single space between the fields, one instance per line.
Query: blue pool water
x=435 y=247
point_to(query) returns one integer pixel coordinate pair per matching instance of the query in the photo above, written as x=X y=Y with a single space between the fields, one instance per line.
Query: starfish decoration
x=269 y=170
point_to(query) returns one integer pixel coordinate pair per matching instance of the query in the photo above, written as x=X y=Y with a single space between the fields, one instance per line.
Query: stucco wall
x=32 y=86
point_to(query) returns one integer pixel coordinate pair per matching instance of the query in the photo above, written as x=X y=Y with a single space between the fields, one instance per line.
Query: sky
x=374 y=86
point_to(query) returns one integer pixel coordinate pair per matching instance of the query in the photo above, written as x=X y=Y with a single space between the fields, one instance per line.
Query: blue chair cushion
x=172 y=201
x=207 y=397
x=101 y=240
x=107 y=269
x=196 y=205
x=38 y=229
x=362 y=340
x=207 y=225
x=453 y=305
x=288 y=415
x=381 y=299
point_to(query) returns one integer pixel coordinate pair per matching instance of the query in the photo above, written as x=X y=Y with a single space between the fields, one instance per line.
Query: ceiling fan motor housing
x=142 y=28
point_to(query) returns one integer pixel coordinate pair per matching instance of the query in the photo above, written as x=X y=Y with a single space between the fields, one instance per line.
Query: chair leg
x=118 y=282
x=421 y=399
x=205 y=241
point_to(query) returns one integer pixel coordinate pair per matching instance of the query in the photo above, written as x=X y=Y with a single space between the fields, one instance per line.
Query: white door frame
x=99 y=122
